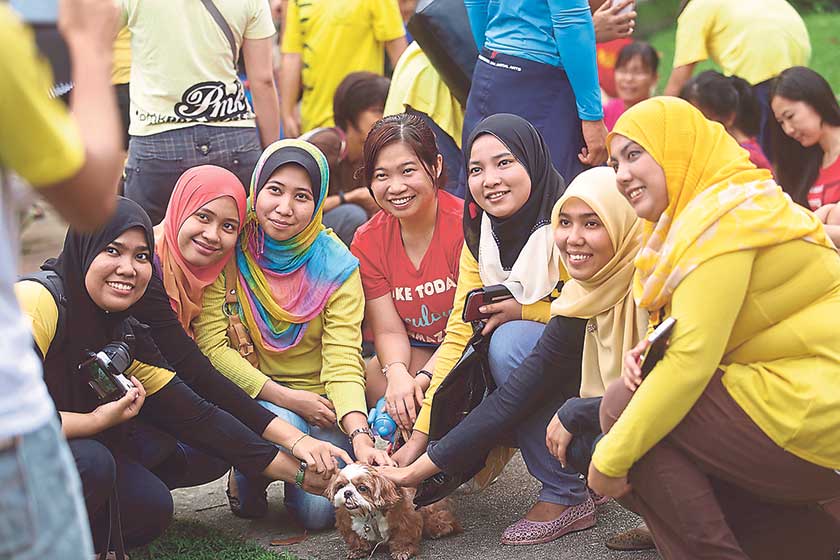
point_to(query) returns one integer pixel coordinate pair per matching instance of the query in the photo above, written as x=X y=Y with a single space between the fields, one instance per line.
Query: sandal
x=575 y=518
x=634 y=539
x=597 y=498
x=244 y=497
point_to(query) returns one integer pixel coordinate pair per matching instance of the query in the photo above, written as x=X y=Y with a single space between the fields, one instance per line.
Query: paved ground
x=484 y=515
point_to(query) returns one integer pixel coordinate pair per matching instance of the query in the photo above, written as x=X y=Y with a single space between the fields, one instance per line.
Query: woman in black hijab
x=512 y=189
x=179 y=439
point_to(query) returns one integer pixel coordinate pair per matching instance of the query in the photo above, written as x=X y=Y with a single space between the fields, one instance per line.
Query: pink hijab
x=185 y=283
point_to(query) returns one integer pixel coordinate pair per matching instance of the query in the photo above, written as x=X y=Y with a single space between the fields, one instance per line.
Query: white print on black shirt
x=209 y=101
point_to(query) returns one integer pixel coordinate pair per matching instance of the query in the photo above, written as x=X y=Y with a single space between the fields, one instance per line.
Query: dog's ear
x=388 y=492
x=332 y=487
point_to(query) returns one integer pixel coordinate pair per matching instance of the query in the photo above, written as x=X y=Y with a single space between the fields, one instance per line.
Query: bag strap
x=113 y=532
x=55 y=286
x=223 y=24
x=237 y=333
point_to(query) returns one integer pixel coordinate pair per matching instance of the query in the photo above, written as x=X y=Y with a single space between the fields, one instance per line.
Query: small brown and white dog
x=371 y=511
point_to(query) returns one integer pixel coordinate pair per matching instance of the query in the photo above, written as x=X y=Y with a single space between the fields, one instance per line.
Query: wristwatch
x=341 y=198
x=300 y=474
x=358 y=431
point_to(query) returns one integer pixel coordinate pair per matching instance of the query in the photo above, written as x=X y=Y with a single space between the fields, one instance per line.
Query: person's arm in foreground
x=79 y=160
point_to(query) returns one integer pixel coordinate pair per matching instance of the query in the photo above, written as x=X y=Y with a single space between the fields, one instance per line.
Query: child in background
x=635 y=77
x=731 y=102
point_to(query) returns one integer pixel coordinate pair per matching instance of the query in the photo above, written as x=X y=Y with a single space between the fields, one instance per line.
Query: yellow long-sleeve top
x=767 y=318
x=40 y=309
x=458 y=333
x=327 y=360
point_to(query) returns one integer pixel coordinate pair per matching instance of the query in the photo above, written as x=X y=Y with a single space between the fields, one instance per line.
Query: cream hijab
x=615 y=323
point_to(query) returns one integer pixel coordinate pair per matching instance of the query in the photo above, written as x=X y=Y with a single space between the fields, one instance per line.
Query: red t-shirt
x=423 y=297
x=826 y=189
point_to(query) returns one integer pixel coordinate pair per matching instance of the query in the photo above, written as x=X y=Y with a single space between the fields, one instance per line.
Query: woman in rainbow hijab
x=729 y=446
x=300 y=298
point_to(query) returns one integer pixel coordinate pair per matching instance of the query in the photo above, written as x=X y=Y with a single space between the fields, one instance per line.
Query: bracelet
x=297 y=441
x=389 y=366
x=300 y=474
x=341 y=198
x=425 y=372
x=358 y=431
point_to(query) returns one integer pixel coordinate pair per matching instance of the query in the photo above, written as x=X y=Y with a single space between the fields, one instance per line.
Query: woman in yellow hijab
x=744 y=409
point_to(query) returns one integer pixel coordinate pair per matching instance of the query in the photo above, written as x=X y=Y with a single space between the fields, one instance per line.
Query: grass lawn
x=824 y=30
x=193 y=541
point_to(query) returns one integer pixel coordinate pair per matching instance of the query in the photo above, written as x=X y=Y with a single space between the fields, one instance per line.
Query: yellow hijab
x=718 y=201
x=615 y=323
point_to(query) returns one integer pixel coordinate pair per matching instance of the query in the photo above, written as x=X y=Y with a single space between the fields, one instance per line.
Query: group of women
x=245 y=322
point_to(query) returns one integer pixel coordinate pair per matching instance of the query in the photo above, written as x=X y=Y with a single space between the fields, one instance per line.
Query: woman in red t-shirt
x=806 y=145
x=409 y=254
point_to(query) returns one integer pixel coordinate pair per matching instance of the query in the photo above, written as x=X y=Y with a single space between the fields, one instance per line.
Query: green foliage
x=187 y=540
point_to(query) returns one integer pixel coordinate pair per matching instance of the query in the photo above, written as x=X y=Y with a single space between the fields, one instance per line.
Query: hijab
x=185 y=283
x=286 y=284
x=718 y=201
x=509 y=250
x=615 y=323
x=88 y=327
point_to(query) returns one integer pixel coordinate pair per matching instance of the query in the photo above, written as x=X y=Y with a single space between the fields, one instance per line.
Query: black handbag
x=442 y=29
x=463 y=389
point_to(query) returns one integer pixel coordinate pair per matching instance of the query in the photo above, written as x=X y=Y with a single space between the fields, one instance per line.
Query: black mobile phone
x=658 y=344
x=483 y=296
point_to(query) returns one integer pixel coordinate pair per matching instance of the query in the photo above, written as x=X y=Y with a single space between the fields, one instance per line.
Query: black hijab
x=88 y=327
x=527 y=145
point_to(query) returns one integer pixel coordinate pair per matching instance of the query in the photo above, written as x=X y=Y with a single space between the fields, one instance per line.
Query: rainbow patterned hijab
x=286 y=284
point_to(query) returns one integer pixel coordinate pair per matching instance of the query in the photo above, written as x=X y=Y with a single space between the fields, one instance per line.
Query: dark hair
x=649 y=56
x=410 y=130
x=358 y=92
x=797 y=167
x=723 y=96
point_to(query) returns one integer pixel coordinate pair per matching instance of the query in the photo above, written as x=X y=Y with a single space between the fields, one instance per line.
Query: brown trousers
x=717 y=487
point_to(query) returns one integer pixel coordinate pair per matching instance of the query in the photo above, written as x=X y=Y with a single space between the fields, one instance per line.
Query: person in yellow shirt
x=730 y=441
x=300 y=298
x=121 y=77
x=323 y=41
x=416 y=87
x=753 y=39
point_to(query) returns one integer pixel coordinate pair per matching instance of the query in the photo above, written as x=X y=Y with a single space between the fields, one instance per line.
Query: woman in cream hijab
x=597 y=233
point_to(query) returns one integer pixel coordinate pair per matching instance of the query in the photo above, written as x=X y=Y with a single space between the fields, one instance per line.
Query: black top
x=552 y=368
x=192 y=366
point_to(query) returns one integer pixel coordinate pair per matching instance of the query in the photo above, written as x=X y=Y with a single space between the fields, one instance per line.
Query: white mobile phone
x=626 y=9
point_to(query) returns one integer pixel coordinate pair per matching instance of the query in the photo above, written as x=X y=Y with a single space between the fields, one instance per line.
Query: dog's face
x=359 y=489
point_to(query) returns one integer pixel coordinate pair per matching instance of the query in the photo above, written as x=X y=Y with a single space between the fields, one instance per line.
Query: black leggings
x=144 y=491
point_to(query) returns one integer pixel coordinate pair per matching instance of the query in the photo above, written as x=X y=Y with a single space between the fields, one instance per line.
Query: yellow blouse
x=40 y=309
x=327 y=360
x=767 y=318
x=458 y=333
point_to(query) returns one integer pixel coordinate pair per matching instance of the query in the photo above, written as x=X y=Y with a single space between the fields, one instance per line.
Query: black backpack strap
x=223 y=24
x=53 y=283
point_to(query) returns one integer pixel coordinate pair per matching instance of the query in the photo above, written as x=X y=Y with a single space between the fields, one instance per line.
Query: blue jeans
x=42 y=514
x=511 y=343
x=155 y=162
x=313 y=512
x=344 y=220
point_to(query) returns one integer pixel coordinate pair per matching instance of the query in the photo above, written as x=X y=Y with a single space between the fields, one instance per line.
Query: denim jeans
x=344 y=220
x=312 y=512
x=511 y=343
x=42 y=514
x=155 y=162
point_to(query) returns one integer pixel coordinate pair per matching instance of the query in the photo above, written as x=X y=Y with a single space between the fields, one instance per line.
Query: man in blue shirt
x=537 y=60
